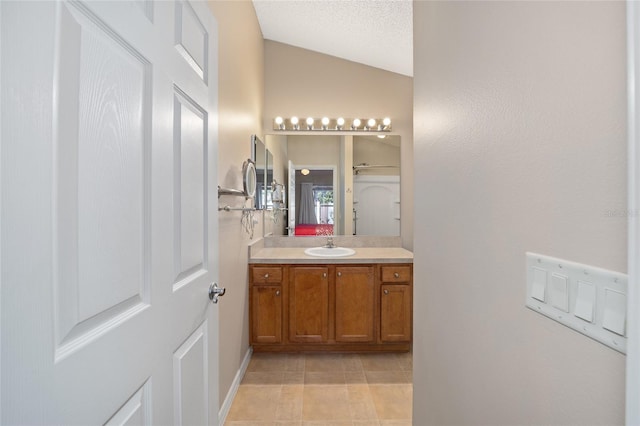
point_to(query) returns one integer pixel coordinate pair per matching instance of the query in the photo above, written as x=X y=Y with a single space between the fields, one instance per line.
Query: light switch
x=539 y=284
x=559 y=292
x=588 y=299
x=615 y=311
x=585 y=301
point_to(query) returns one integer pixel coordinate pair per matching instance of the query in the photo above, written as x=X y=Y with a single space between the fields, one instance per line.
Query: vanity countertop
x=293 y=255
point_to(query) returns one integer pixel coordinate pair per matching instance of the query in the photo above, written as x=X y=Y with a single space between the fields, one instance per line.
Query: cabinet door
x=266 y=314
x=355 y=289
x=395 y=313
x=309 y=304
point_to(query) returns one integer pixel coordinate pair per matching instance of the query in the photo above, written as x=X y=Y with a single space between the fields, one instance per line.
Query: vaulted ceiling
x=378 y=33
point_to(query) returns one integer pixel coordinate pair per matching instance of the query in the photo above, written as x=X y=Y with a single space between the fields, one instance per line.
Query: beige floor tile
x=293 y=378
x=323 y=362
x=324 y=389
x=290 y=403
x=294 y=362
x=359 y=392
x=267 y=362
x=386 y=377
x=262 y=378
x=361 y=403
x=326 y=403
x=351 y=362
x=405 y=360
x=324 y=378
x=379 y=362
x=255 y=403
x=355 y=377
x=393 y=402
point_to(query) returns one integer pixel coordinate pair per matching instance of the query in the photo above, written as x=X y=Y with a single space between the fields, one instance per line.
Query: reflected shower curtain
x=307 y=208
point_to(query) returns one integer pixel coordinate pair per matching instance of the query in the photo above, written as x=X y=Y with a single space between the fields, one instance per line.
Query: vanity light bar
x=332 y=124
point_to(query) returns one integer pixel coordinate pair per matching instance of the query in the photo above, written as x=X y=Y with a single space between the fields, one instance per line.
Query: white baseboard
x=226 y=405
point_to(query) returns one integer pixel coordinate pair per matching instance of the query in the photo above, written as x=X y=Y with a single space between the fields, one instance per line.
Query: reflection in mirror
x=351 y=185
x=258 y=155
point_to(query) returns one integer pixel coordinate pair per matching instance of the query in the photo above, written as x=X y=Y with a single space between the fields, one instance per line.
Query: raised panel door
x=355 y=304
x=395 y=313
x=266 y=314
x=110 y=199
x=309 y=304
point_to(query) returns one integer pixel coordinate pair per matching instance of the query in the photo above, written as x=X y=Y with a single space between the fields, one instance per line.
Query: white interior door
x=108 y=226
x=376 y=200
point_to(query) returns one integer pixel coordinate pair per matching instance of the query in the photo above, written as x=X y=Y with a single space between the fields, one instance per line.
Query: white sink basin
x=329 y=251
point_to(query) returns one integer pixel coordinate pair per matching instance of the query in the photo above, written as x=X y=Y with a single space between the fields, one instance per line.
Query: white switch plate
x=594 y=302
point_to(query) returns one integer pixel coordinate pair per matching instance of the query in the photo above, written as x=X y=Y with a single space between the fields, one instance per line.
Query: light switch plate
x=587 y=299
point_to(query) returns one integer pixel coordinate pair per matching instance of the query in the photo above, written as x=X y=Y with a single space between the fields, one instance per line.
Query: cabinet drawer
x=395 y=274
x=266 y=275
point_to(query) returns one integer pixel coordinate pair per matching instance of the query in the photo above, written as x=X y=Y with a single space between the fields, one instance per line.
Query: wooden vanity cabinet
x=309 y=304
x=265 y=304
x=396 y=310
x=355 y=304
x=330 y=307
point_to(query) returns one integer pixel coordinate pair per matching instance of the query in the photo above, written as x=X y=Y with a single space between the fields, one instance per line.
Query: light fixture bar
x=317 y=124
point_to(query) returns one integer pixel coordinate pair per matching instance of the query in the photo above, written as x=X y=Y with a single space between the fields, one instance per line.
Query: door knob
x=215 y=292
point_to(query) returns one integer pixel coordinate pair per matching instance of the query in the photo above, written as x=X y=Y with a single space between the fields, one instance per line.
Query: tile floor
x=324 y=389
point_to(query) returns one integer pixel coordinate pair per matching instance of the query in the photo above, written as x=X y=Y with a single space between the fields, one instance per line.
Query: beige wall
x=313 y=150
x=519 y=146
x=241 y=83
x=305 y=83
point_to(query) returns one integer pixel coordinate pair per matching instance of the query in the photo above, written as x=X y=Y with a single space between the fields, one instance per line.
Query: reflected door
x=376 y=202
x=108 y=122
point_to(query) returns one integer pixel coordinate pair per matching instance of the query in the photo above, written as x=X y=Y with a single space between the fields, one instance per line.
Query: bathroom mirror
x=338 y=184
x=249 y=178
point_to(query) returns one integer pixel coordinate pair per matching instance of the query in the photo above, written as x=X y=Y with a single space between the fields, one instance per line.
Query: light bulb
x=325 y=121
x=371 y=123
x=279 y=120
x=386 y=121
x=356 y=123
x=340 y=121
x=294 y=120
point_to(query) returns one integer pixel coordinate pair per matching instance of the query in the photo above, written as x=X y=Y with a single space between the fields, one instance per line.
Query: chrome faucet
x=330 y=243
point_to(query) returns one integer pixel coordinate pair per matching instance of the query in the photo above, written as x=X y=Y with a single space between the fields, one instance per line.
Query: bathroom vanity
x=356 y=303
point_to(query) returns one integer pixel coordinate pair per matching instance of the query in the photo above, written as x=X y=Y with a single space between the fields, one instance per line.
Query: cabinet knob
x=339 y=274
x=397 y=275
x=266 y=276
x=386 y=292
x=324 y=275
x=277 y=292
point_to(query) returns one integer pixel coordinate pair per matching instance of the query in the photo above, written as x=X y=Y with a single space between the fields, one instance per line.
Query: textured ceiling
x=378 y=33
